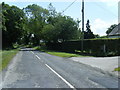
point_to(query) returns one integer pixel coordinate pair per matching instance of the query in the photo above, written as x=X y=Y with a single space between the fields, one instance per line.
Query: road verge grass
x=6 y=57
x=62 y=54
x=117 y=69
x=56 y=53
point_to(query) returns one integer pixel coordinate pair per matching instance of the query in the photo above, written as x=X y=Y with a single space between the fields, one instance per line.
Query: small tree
x=110 y=28
x=88 y=34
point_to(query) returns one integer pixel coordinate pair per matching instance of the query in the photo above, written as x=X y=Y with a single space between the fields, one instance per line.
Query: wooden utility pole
x=82 y=25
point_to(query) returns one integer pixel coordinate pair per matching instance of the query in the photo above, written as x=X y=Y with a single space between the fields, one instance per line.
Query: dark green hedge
x=96 y=47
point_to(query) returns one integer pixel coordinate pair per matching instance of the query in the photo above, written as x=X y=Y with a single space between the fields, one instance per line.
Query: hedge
x=96 y=47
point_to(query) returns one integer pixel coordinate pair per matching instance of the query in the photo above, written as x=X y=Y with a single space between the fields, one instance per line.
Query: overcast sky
x=101 y=13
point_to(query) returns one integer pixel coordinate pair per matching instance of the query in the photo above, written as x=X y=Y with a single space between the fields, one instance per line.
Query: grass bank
x=56 y=53
x=6 y=56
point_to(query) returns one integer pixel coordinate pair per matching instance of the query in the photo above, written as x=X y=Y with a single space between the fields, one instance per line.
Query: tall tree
x=12 y=23
x=52 y=14
x=68 y=28
x=37 y=17
x=52 y=11
x=88 y=34
x=65 y=28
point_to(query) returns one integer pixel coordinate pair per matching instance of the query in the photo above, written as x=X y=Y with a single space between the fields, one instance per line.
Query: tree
x=68 y=28
x=49 y=33
x=88 y=34
x=37 y=17
x=64 y=28
x=97 y=36
x=110 y=28
x=12 y=21
x=52 y=14
x=52 y=11
x=59 y=27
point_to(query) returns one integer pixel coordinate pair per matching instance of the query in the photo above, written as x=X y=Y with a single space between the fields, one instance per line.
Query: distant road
x=34 y=69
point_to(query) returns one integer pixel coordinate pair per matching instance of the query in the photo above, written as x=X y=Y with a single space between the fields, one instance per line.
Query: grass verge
x=6 y=56
x=117 y=69
x=56 y=53
x=62 y=54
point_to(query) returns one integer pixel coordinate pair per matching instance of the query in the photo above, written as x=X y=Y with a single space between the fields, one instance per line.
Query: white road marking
x=60 y=77
x=32 y=52
x=37 y=57
x=57 y=74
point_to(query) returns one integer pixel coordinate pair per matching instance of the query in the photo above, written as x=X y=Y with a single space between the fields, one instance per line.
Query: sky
x=101 y=13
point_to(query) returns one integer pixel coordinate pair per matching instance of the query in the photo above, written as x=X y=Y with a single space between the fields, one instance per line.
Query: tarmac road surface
x=34 y=69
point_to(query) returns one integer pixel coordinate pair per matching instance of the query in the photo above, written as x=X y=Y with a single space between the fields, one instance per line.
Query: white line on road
x=57 y=74
x=61 y=77
x=37 y=57
x=32 y=52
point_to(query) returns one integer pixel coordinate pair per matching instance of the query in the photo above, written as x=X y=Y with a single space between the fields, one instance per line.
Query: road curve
x=34 y=69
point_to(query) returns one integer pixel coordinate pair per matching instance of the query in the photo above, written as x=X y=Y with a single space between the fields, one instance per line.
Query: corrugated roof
x=116 y=30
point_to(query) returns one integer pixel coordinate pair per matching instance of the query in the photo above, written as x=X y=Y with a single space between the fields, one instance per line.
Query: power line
x=69 y=6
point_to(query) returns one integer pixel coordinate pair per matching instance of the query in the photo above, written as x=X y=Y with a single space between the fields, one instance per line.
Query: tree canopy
x=12 y=24
x=34 y=23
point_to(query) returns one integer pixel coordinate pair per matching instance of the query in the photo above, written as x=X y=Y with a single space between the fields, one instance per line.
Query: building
x=115 y=33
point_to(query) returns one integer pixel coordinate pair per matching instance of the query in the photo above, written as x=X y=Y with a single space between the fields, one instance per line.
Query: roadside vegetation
x=6 y=57
x=117 y=69
x=56 y=53
x=63 y=54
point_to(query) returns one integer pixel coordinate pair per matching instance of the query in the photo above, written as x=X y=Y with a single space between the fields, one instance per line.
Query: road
x=34 y=69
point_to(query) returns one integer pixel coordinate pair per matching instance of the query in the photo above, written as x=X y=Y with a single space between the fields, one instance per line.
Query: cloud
x=100 y=26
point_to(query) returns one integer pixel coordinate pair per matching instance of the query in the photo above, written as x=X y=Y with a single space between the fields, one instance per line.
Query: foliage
x=117 y=69
x=60 y=54
x=49 y=32
x=68 y=28
x=103 y=37
x=36 y=17
x=52 y=11
x=97 y=36
x=11 y=28
x=111 y=28
x=88 y=34
x=34 y=23
x=96 y=47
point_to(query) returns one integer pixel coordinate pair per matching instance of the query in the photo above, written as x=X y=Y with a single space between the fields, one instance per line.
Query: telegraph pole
x=82 y=25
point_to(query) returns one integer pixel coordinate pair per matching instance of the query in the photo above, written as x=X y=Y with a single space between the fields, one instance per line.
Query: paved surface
x=108 y=64
x=33 y=69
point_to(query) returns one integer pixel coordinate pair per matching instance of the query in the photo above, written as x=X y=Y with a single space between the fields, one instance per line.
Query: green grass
x=43 y=49
x=5 y=57
x=62 y=54
x=117 y=69
x=55 y=53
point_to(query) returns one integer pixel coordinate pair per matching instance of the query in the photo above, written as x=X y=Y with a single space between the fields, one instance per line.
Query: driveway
x=107 y=64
